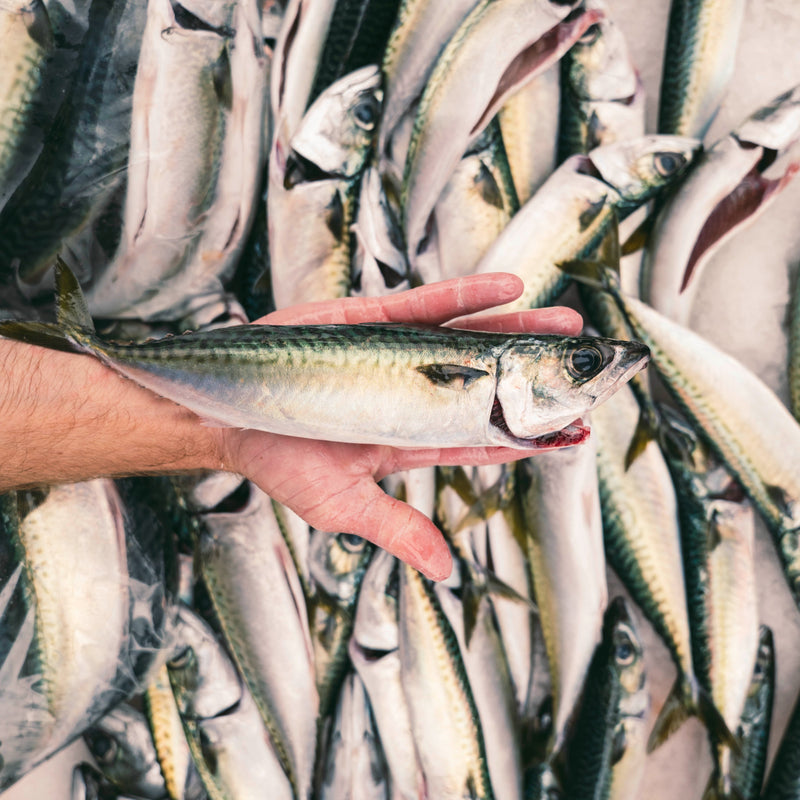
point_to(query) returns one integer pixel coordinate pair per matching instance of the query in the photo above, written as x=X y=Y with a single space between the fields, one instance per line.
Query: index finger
x=429 y=305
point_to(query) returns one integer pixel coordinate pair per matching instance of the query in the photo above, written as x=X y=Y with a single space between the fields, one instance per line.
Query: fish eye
x=585 y=362
x=182 y=660
x=667 y=164
x=351 y=542
x=624 y=652
x=366 y=113
x=104 y=748
x=591 y=35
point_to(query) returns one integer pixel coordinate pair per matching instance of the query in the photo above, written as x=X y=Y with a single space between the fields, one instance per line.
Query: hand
x=333 y=486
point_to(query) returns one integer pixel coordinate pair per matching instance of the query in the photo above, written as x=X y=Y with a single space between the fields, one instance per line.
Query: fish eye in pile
x=366 y=113
x=103 y=747
x=667 y=164
x=351 y=542
x=624 y=651
x=591 y=35
x=585 y=362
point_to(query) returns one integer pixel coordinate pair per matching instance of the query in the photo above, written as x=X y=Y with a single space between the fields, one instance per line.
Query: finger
x=396 y=527
x=558 y=319
x=400 y=459
x=431 y=305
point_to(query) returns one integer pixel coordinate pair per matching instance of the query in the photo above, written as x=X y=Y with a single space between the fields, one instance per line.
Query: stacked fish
x=199 y=164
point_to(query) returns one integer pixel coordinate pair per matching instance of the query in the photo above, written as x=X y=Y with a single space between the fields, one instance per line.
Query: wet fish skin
x=605 y=756
x=564 y=540
x=572 y=212
x=747 y=770
x=123 y=749
x=725 y=191
x=568 y=377
x=699 y=57
x=602 y=98
x=454 y=109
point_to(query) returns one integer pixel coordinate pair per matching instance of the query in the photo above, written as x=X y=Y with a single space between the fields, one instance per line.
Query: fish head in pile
x=337 y=131
x=638 y=168
x=627 y=657
x=545 y=384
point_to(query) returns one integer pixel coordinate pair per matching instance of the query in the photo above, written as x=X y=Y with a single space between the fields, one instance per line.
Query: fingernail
x=439 y=567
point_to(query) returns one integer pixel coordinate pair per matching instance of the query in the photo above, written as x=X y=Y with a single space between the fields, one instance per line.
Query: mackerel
x=458 y=387
x=573 y=211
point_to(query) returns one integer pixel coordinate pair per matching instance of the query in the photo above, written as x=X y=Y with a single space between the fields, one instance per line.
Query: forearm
x=65 y=417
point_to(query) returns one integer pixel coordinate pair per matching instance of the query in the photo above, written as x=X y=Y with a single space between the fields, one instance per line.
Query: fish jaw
x=542 y=394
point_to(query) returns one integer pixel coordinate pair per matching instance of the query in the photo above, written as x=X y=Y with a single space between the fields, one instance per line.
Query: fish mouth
x=574 y=433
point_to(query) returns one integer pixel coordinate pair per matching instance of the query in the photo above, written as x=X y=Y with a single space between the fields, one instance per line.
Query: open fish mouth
x=574 y=433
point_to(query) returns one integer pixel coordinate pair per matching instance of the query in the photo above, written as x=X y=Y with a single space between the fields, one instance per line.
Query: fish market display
x=173 y=171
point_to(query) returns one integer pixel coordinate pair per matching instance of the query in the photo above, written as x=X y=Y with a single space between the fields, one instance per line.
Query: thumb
x=396 y=527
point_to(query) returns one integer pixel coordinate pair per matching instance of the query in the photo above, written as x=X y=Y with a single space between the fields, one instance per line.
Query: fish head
x=204 y=681
x=546 y=383
x=335 y=136
x=639 y=168
x=625 y=653
x=337 y=562
x=776 y=125
x=599 y=62
x=122 y=746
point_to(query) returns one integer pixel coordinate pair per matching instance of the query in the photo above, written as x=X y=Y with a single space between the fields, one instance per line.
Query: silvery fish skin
x=81 y=600
x=503 y=550
x=123 y=750
x=602 y=98
x=479 y=388
x=27 y=34
x=455 y=108
x=732 y=605
x=725 y=191
x=297 y=54
x=444 y=717
x=230 y=746
x=336 y=132
x=374 y=654
x=747 y=772
x=314 y=179
x=561 y=507
x=422 y=30
x=260 y=604
x=493 y=692
x=641 y=531
x=169 y=740
x=698 y=62
x=337 y=563
x=529 y=124
x=82 y=168
x=355 y=766
x=380 y=266
x=606 y=754
x=475 y=206
x=570 y=214
x=180 y=240
x=718 y=394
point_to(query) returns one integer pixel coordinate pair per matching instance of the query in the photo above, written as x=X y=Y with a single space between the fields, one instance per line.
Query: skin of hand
x=68 y=418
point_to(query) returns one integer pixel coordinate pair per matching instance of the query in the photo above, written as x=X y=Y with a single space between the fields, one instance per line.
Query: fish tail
x=74 y=331
x=688 y=699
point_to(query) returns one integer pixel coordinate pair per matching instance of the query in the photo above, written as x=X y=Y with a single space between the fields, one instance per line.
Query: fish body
x=747 y=769
x=475 y=206
x=605 y=756
x=725 y=191
x=542 y=384
x=571 y=213
x=564 y=539
x=455 y=107
x=27 y=33
x=444 y=718
x=602 y=98
x=260 y=604
x=699 y=57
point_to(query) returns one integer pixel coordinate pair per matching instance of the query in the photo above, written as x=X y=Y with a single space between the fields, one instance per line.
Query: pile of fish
x=196 y=165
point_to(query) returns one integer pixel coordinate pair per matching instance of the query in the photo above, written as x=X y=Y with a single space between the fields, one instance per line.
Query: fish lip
x=576 y=432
